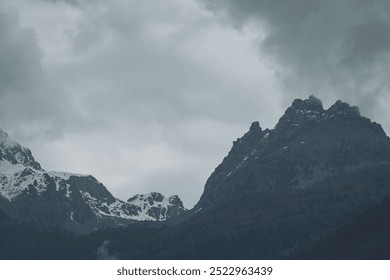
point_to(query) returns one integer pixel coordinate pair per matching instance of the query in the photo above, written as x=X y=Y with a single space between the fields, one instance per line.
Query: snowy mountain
x=310 y=147
x=73 y=201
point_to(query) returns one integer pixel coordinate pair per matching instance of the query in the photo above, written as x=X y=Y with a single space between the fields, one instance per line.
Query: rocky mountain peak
x=312 y=103
x=309 y=145
x=300 y=113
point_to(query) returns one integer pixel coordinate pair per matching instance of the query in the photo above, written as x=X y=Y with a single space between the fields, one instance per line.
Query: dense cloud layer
x=336 y=49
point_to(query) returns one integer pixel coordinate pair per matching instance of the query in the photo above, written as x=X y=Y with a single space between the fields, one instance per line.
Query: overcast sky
x=149 y=95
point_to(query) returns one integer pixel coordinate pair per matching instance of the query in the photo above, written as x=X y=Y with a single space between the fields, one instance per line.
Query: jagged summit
x=305 y=112
x=315 y=104
x=341 y=107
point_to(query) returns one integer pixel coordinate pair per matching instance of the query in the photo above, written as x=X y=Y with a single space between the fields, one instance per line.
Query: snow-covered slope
x=73 y=201
x=154 y=206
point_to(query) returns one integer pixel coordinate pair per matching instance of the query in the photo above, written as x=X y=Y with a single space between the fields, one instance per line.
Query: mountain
x=72 y=201
x=310 y=147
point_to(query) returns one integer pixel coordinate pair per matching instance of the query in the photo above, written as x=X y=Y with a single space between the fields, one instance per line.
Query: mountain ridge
x=76 y=202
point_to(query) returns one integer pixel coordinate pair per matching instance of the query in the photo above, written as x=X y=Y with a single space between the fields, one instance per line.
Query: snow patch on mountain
x=65 y=175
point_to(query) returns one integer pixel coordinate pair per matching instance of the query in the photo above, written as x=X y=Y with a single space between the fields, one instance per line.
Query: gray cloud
x=338 y=49
x=367 y=43
x=19 y=65
x=29 y=102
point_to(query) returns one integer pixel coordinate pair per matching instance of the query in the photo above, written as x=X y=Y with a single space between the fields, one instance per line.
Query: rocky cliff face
x=309 y=147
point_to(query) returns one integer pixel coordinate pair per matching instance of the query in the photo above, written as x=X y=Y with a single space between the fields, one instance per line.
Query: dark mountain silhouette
x=309 y=147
